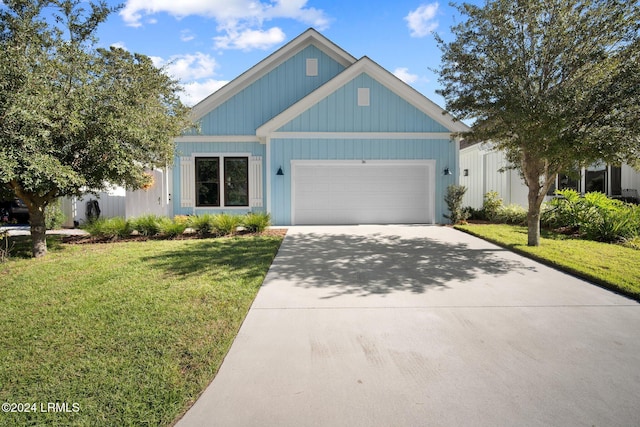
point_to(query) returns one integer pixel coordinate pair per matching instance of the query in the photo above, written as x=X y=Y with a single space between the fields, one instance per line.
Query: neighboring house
x=313 y=135
x=483 y=169
x=118 y=202
x=111 y=203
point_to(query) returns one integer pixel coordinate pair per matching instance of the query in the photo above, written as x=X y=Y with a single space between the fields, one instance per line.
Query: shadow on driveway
x=378 y=263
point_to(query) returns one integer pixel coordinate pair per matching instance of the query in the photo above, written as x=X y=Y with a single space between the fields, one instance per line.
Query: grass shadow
x=248 y=256
x=20 y=246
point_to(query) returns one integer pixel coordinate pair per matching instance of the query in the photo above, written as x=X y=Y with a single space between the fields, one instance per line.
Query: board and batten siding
x=386 y=112
x=283 y=151
x=270 y=95
x=190 y=150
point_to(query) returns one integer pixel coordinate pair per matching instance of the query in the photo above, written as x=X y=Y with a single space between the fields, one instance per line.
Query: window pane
x=595 y=181
x=236 y=179
x=616 y=181
x=207 y=181
x=570 y=180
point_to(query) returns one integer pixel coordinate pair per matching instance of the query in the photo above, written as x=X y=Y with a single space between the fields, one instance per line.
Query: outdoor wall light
x=465 y=172
x=447 y=171
x=280 y=173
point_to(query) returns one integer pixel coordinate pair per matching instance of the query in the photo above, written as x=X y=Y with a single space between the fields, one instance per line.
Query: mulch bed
x=81 y=240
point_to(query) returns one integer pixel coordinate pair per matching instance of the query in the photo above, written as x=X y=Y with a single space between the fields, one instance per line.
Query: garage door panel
x=361 y=193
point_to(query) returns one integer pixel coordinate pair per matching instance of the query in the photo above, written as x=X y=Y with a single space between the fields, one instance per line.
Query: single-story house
x=313 y=135
x=483 y=169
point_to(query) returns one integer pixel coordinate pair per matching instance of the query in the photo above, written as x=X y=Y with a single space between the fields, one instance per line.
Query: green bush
x=171 y=228
x=511 y=214
x=225 y=223
x=256 y=222
x=453 y=199
x=610 y=225
x=54 y=217
x=202 y=224
x=112 y=228
x=491 y=205
x=595 y=216
x=147 y=225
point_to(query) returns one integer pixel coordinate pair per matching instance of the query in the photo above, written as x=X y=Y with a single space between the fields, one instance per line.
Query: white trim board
x=362 y=135
x=217 y=138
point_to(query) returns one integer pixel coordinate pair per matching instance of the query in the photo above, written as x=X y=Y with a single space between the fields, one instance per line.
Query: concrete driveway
x=424 y=326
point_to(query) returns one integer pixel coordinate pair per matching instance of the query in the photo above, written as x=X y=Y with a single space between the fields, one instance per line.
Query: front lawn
x=125 y=333
x=609 y=265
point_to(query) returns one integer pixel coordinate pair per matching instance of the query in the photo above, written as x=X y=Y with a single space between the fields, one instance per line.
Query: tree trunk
x=533 y=218
x=38 y=231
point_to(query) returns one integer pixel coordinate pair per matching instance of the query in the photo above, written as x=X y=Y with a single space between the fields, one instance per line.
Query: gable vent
x=363 y=97
x=312 y=67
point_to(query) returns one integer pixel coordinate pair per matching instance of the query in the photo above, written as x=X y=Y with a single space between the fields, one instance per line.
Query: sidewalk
x=24 y=230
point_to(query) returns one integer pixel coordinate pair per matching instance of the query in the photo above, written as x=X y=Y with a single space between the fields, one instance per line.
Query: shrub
x=225 y=223
x=147 y=225
x=171 y=228
x=596 y=216
x=112 y=228
x=54 y=217
x=202 y=224
x=491 y=205
x=182 y=219
x=472 y=213
x=610 y=225
x=511 y=214
x=256 y=222
x=453 y=199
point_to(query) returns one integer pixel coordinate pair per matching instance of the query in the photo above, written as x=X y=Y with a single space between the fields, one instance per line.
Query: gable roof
x=309 y=37
x=371 y=68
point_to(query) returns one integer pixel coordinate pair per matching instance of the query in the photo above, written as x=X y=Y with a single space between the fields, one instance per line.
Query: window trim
x=221 y=182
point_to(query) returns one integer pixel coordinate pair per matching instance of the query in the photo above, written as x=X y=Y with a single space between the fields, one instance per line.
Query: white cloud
x=250 y=39
x=240 y=20
x=195 y=92
x=187 y=35
x=188 y=67
x=195 y=72
x=404 y=75
x=422 y=21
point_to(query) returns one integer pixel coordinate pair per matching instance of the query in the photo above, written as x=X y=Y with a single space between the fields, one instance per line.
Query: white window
x=312 y=67
x=363 y=97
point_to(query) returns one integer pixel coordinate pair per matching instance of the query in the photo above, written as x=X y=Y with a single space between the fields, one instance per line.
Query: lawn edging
x=559 y=265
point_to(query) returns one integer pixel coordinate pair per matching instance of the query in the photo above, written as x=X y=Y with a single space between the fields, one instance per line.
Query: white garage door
x=371 y=192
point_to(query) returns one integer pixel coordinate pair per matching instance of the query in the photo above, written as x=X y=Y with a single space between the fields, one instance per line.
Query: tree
x=75 y=117
x=553 y=83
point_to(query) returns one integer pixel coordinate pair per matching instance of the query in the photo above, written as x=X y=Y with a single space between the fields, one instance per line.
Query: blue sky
x=207 y=43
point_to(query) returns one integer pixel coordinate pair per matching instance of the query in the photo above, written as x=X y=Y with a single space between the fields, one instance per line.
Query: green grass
x=131 y=332
x=612 y=266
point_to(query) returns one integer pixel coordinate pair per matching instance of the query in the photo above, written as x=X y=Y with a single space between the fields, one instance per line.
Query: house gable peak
x=309 y=37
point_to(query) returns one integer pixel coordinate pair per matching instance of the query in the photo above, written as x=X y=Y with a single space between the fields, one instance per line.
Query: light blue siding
x=185 y=149
x=285 y=150
x=339 y=112
x=270 y=95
